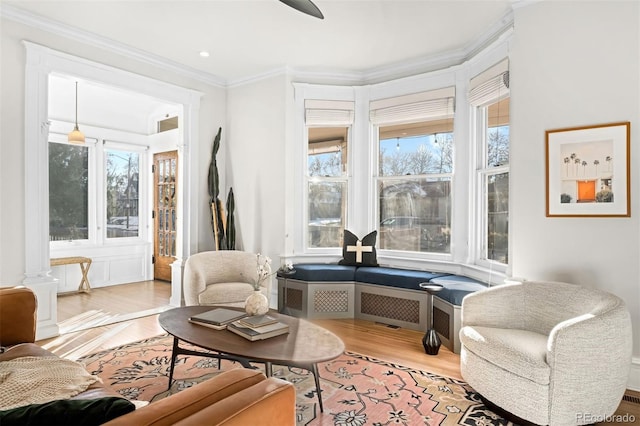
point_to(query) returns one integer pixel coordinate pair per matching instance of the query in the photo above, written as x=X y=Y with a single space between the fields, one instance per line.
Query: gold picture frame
x=588 y=171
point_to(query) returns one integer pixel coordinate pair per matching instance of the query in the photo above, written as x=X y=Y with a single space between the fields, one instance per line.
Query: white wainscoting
x=111 y=265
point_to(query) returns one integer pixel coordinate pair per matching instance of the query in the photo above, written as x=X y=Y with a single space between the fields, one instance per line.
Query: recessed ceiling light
x=204 y=54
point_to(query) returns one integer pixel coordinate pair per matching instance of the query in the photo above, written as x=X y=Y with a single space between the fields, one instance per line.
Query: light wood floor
x=396 y=345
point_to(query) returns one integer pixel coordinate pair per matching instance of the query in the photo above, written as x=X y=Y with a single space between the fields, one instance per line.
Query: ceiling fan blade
x=305 y=6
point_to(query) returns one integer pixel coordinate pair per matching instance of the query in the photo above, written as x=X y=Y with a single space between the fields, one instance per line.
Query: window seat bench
x=388 y=295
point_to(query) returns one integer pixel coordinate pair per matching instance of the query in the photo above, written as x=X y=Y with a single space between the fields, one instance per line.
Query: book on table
x=258 y=333
x=257 y=321
x=217 y=318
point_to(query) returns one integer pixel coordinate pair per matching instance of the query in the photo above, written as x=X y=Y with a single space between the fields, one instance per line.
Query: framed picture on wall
x=588 y=171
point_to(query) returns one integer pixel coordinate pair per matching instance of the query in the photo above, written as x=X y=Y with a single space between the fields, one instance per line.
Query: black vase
x=431 y=342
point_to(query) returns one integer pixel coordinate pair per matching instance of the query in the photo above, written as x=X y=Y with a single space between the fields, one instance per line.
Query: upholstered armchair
x=550 y=353
x=224 y=277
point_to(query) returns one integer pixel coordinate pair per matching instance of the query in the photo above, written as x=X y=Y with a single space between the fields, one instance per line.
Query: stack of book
x=258 y=327
x=217 y=318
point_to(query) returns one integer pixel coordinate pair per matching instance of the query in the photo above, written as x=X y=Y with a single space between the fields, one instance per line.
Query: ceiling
x=249 y=38
x=246 y=39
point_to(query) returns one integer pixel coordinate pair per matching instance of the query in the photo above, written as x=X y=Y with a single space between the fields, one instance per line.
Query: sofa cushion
x=322 y=272
x=521 y=352
x=85 y=412
x=456 y=287
x=356 y=252
x=392 y=277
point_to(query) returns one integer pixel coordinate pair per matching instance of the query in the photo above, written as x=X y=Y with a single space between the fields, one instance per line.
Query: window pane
x=498 y=217
x=416 y=148
x=415 y=214
x=327 y=151
x=68 y=192
x=327 y=213
x=122 y=194
x=498 y=134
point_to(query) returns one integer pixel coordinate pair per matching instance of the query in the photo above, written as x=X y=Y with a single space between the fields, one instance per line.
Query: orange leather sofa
x=235 y=397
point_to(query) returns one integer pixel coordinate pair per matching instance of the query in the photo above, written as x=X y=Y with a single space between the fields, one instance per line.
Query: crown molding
x=327 y=76
x=55 y=27
x=497 y=32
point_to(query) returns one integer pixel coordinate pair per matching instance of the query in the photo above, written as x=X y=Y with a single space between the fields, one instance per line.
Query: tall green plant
x=217 y=214
x=231 y=225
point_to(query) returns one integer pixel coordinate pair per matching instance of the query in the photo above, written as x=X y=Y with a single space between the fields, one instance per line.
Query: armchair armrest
x=586 y=352
x=220 y=400
x=501 y=307
x=18 y=308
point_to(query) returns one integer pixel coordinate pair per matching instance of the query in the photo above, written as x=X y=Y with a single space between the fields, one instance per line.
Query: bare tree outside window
x=414 y=187
x=122 y=193
x=327 y=186
x=68 y=192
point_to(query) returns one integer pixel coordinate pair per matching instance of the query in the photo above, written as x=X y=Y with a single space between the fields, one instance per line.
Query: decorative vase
x=256 y=304
x=431 y=342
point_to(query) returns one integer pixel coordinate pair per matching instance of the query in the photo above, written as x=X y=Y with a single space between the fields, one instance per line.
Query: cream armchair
x=222 y=277
x=550 y=353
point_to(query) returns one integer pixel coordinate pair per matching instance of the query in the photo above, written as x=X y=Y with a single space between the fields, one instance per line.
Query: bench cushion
x=393 y=277
x=456 y=287
x=323 y=272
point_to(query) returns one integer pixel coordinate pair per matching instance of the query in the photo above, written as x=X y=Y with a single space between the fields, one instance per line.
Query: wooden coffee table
x=304 y=346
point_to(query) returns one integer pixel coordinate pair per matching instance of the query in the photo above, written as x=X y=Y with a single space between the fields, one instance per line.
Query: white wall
x=212 y=114
x=572 y=65
x=255 y=153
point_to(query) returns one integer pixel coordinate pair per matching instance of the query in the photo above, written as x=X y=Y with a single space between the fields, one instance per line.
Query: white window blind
x=490 y=85
x=328 y=113
x=414 y=107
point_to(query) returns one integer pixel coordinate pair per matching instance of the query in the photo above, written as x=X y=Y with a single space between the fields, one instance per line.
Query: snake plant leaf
x=213 y=178
x=231 y=226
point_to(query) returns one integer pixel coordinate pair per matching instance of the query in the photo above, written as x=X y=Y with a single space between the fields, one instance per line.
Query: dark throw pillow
x=356 y=252
x=68 y=412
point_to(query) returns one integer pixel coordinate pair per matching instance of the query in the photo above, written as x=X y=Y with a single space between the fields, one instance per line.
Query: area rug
x=356 y=389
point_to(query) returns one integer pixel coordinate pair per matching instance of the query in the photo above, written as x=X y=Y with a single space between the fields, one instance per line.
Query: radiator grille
x=441 y=322
x=293 y=298
x=331 y=301
x=390 y=307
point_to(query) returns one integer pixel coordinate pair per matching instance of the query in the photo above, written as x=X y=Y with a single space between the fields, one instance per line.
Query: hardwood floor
x=396 y=345
x=115 y=300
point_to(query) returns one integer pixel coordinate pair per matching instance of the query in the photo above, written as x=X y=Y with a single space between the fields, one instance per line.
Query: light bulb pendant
x=76 y=136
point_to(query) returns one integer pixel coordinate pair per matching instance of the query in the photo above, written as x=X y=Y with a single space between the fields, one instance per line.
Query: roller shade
x=434 y=104
x=490 y=85
x=328 y=113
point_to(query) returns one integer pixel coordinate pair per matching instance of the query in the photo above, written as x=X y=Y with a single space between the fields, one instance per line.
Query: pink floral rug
x=356 y=389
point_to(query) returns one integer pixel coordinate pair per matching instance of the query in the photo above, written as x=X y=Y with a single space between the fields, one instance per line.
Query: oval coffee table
x=304 y=346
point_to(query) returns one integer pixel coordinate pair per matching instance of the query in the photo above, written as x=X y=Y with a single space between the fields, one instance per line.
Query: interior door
x=165 y=178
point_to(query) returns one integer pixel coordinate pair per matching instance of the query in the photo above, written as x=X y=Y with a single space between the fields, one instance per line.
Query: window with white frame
x=69 y=183
x=415 y=170
x=122 y=189
x=76 y=200
x=328 y=126
x=489 y=99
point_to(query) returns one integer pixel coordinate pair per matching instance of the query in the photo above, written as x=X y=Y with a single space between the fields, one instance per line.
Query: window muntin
x=414 y=186
x=122 y=189
x=327 y=154
x=68 y=192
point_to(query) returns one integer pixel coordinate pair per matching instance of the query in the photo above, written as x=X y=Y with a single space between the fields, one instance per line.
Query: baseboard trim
x=634 y=375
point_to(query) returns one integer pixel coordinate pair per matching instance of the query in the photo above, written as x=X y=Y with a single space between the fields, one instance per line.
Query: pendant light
x=76 y=136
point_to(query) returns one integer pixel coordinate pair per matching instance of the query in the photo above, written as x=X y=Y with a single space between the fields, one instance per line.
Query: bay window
x=415 y=170
x=327 y=178
x=489 y=98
